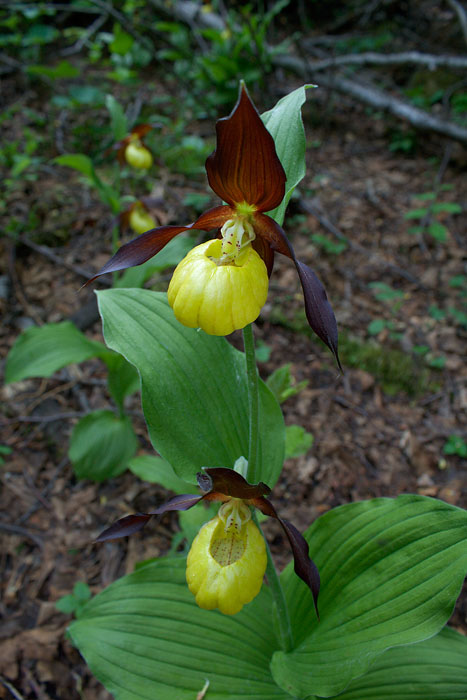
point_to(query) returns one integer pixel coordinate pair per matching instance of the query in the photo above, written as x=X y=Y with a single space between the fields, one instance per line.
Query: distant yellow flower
x=132 y=150
x=138 y=156
x=227 y=560
x=139 y=219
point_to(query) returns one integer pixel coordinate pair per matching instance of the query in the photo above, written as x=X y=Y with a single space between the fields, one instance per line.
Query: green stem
x=253 y=402
x=285 y=627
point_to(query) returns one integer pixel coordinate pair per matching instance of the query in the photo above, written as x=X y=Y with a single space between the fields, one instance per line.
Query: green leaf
x=194 y=389
x=376 y=326
x=282 y=383
x=64 y=69
x=40 y=34
x=158 y=471
x=81 y=591
x=21 y=163
x=297 y=441
x=87 y=95
x=436 y=362
x=118 y=120
x=77 y=161
x=458 y=281
x=42 y=350
x=328 y=244
x=391 y=570
x=455 y=445
x=122 y=42
x=431 y=670
x=448 y=207
x=416 y=213
x=123 y=379
x=383 y=292
x=284 y=123
x=438 y=231
x=425 y=196
x=145 y=637
x=101 y=445
x=436 y=313
x=67 y=604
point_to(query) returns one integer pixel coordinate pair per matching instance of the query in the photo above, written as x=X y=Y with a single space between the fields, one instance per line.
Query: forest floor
x=379 y=430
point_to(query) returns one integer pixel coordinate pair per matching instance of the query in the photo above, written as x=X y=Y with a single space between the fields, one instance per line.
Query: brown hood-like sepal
x=245 y=166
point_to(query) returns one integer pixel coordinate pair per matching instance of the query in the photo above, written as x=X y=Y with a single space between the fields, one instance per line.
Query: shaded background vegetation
x=379 y=216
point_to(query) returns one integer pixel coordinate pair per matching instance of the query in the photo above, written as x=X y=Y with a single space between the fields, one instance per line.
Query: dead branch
x=430 y=61
x=375 y=98
x=461 y=15
x=49 y=253
x=189 y=12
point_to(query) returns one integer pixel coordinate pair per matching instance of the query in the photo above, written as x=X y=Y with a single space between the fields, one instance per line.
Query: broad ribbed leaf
x=101 y=445
x=145 y=638
x=391 y=571
x=194 y=389
x=284 y=123
x=42 y=350
x=431 y=670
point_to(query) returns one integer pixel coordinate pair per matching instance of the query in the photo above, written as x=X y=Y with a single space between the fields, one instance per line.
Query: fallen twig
x=49 y=253
x=370 y=95
x=17 y=530
x=430 y=61
x=329 y=226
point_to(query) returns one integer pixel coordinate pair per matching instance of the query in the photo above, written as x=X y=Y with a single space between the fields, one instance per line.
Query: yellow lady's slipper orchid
x=138 y=156
x=132 y=150
x=227 y=560
x=246 y=173
x=140 y=219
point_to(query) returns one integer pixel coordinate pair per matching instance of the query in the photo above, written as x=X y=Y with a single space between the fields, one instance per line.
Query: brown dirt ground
x=367 y=443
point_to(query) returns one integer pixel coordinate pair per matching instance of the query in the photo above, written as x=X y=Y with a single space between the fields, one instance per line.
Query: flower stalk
x=253 y=402
x=285 y=627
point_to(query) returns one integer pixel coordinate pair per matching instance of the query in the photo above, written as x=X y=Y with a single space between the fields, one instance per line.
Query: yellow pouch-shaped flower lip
x=214 y=581
x=141 y=220
x=218 y=298
x=138 y=156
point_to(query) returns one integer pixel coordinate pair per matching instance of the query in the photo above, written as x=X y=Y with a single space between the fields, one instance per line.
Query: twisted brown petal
x=133 y=523
x=140 y=249
x=317 y=307
x=245 y=167
x=304 y=567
